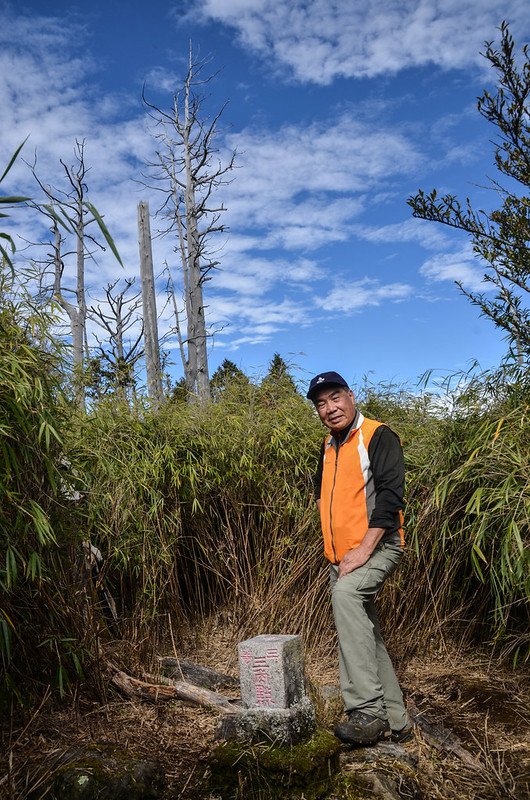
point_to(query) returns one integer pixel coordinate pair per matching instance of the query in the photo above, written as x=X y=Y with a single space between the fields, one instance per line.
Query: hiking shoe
x=403 y=734
x=362 y=728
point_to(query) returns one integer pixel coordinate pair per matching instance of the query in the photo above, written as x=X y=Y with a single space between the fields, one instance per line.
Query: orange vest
x=347 y=494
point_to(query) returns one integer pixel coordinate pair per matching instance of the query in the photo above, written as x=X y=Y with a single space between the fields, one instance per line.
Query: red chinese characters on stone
x=261 y=677
x=264 y=695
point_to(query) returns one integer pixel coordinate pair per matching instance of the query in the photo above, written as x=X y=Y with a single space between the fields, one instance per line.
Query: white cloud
x=341 y=156
x=460 y=266
x=51 y=94
x=355 y=296
x=412 y=230
x=303 y=185
x=318 y=41
x=41 y=70
x=254 y=276
x=254 y=321
x=161 y=79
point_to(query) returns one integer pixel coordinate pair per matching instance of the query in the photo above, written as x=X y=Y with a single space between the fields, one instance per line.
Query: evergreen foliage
x=501 y=237
x=278 y=383
x=226 y=376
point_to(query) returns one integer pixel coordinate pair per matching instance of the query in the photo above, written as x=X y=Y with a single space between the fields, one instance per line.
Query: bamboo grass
x=208 y=510
x=211 y=508
x=37 y=641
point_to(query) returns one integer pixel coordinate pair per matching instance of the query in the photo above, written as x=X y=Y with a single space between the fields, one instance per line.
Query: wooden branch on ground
x=157 y=689
x=442 y=739
x=197 y=674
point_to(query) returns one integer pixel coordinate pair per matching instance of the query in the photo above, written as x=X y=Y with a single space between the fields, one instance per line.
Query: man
x=359 y=488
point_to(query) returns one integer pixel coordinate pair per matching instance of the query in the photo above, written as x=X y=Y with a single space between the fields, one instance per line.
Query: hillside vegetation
x=202 y=510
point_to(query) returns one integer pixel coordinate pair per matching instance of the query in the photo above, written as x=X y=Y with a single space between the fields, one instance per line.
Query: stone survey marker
x=271 y=670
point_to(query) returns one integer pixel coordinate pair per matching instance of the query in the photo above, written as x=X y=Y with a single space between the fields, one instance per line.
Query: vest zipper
x=331 y=503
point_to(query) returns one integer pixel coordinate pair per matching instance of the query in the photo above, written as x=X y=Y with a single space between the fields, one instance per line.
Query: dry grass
x=487 y=707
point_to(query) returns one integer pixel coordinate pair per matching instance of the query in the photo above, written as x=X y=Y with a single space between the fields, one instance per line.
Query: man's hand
x=352 y=560
x=358 y=556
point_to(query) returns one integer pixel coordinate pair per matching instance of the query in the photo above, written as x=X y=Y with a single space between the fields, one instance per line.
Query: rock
x=381 y=751
x=386 y=771
x=329 y=693
x=276 y=707
x=104 y=774
x=271 y=671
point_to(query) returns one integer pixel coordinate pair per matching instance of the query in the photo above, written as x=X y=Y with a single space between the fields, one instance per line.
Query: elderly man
x=359 y=488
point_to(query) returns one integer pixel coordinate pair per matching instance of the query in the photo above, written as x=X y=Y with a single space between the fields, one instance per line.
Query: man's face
x=336 y=408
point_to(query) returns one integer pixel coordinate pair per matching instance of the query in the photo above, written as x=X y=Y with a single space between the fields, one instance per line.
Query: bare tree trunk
x=152 y=351
x=77 y=322
x=71 y=210
x=79 y=328
x=167 y=689
x=178 y=330
x=197 y=322
x=191 y=174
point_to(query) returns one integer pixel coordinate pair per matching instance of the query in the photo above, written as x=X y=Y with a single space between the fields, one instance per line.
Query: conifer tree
x=227 y=374
x=501 y=238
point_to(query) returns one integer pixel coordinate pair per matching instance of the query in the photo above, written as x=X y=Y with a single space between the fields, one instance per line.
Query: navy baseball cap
x=324 y=380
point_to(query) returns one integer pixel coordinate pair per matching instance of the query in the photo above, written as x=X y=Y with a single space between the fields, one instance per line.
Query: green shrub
x=207 y=508
x=35 y=634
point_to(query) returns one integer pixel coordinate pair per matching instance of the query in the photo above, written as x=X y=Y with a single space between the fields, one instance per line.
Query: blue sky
x=338 y=111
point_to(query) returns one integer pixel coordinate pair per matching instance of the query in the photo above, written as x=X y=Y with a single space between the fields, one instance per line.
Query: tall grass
x=207 y=509
x=36 y=636
x=478 y=517
x=203 y=511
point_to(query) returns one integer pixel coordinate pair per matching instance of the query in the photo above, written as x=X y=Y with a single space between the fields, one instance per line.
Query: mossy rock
x=383 y=772
x=104 y=774
x=374 y=784
x=261 y=771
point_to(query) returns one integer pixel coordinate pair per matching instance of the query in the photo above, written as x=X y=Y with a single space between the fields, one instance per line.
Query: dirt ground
x=485 y=706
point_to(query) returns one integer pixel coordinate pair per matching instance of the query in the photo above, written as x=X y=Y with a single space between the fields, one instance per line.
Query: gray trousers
x=367 y=678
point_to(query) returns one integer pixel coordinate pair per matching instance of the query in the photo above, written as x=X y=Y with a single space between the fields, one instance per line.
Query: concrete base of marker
x=280 y=725
x=304 y=771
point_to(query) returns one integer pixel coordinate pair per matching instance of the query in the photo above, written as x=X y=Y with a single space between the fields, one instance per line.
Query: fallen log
x=196 y=674
x=166 y=689
x=442 y=739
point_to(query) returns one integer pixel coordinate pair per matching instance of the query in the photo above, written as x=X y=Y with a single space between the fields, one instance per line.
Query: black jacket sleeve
x=388 y=470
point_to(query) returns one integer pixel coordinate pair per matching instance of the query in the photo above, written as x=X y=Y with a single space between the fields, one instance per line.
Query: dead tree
x=189 y=172
x=117 y=316
x=70 y=214
x=152 y=348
